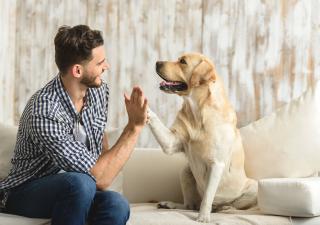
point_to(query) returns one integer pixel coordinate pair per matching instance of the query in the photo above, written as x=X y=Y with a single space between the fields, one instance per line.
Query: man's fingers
x=145 y=104
x=134 y=95
x=141 y=98
x=126 y=96
x=137 y=95
x=137 y=99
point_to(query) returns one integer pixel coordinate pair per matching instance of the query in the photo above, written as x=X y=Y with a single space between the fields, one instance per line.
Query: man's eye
x=183 y=61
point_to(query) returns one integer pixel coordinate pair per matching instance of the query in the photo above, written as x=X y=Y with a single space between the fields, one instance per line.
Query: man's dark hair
x=74 y=45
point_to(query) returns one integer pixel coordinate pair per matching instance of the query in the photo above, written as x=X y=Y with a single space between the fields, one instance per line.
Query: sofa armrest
x=150 y=175
x=8 y=135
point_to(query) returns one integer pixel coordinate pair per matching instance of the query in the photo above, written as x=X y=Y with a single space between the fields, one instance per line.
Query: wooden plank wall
x=7 y=61
x=266 y=51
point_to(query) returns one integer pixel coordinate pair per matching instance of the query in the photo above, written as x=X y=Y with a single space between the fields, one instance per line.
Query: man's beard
x=90 y=81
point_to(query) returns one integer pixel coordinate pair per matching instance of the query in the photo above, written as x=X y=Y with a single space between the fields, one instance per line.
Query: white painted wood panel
x=7 y=60
x=267 y=52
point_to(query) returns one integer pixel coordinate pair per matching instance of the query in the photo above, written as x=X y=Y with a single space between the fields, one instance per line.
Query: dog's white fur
x=205 y=130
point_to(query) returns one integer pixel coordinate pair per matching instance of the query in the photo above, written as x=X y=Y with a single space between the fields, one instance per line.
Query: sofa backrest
x=7 y=142
x=284 y=144
x=150 y=175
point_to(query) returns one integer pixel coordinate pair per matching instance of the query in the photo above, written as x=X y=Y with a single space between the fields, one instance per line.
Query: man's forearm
x=111 y=161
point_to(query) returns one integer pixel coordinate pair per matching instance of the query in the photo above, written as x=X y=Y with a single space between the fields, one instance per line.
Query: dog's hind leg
x=191 y=197
x=249 y=198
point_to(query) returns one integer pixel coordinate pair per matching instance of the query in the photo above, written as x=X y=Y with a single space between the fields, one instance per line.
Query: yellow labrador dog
x=205 y=130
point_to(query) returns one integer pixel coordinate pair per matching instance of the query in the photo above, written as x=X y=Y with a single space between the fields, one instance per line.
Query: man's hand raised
x=136 y=107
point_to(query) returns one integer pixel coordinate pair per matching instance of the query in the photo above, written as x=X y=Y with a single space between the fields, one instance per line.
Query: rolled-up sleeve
x=54 y=139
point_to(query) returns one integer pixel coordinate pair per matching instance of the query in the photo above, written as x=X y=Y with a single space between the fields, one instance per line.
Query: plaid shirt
x=45 y=141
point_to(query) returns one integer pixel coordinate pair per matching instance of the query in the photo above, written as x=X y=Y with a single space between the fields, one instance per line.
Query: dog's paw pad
x=203 y=219
x=166 y=205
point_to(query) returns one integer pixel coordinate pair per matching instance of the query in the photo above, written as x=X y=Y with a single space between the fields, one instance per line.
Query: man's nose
x=106 y=66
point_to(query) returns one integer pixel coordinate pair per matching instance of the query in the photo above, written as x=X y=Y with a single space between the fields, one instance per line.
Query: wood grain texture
x=265 y=51
x=7 y=60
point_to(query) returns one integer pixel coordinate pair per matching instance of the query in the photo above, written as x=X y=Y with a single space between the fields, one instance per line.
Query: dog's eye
x=183 y=61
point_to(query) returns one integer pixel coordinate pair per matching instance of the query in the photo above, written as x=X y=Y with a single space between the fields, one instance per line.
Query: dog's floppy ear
x=202 y=74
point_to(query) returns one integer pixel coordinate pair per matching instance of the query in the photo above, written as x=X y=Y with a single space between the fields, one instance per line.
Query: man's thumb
x=126 y=98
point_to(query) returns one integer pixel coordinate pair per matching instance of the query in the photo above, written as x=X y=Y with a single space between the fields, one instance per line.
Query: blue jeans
x=68 y=199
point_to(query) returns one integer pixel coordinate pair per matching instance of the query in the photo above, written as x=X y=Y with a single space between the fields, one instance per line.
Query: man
x=61 y=160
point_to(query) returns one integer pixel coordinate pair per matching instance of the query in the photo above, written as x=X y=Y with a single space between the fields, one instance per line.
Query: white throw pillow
x=290 y=196
x=7 y=143
x=286 y=143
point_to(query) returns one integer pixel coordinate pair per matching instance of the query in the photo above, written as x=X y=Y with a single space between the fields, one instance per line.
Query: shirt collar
x=65 y=96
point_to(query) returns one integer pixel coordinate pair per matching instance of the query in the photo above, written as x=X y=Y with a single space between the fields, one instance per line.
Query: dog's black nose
x=158 y=65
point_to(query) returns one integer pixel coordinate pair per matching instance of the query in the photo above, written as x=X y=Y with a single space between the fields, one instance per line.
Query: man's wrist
x=134 y=128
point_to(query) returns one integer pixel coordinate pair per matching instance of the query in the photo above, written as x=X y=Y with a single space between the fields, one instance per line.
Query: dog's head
x=189 y=71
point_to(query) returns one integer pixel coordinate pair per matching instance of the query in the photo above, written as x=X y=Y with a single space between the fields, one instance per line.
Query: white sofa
x=151 y=176
x=283 y=145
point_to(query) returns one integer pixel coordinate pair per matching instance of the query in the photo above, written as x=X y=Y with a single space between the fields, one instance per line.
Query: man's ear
x=202 y=74
x=76 y=70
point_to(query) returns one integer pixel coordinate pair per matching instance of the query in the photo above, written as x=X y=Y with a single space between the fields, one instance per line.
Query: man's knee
x=80 y=185
x=117 y=206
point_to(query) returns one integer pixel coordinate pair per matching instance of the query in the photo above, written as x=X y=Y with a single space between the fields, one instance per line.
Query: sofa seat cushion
x=297 y=197
x=148 y=214
x=8 y=219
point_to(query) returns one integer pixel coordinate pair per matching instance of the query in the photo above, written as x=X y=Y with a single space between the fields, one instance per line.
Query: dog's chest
x=205 y=147
x=199 y=123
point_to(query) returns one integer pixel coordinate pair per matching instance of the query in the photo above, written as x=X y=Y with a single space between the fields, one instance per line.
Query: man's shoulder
x=46 y=100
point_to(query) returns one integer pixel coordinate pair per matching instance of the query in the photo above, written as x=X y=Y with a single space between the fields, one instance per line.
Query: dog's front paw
x=150 y=115
x=166 y=205
x=204 y=218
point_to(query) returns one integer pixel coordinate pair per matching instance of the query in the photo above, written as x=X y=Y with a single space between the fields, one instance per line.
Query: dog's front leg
x=213 y=178
x=168 y=141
